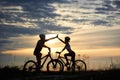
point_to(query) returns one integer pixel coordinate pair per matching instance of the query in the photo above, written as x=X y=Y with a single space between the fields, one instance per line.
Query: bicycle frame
x=71 y=65
x=46 y=57
x=61 y=58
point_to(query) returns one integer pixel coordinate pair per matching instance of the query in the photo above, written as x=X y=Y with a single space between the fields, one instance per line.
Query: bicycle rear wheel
x=80 y=65
x=30 y=66
x=55 y=66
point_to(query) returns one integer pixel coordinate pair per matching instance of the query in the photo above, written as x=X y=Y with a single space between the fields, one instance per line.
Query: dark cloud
x=110 y=8
x=3 y=44
x=32 y=12
x=13 y=31
x=105 y=12
x=101 y=22
x=39 y=15
x=23 y=1
x=8 y=31
x=109 y=5
x=117 y=3
x=97 y=12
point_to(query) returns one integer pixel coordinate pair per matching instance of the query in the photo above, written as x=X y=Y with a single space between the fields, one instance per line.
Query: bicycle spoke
x=80 y=65
x=30 y=66
x=54 y=66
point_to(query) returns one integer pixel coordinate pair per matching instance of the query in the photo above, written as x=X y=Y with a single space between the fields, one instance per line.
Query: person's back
x=68 y=47
x=38 y=47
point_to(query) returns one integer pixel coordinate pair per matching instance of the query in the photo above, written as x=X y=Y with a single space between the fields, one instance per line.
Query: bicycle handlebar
x=57 y=52
x=49 y=50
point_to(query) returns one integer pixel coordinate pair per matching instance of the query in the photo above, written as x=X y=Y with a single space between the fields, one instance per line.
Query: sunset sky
x=92 y=25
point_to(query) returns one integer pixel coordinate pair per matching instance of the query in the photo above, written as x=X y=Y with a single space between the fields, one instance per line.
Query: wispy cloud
x=101 y=38
x=50 y=16
x=27 y=18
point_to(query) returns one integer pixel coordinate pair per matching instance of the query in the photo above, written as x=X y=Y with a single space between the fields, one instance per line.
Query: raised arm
x=61 y=40
x=62 y=50
x=51 y=38
x=47 y=47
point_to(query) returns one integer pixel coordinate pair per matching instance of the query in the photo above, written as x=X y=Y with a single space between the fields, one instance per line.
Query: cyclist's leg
x=73 y=60
x=65 y=55
x=73 y=57
x=38 y=57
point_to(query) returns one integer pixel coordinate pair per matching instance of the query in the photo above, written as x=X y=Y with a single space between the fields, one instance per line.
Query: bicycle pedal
x=67 y=64
x=39 y=66
x=68 y=68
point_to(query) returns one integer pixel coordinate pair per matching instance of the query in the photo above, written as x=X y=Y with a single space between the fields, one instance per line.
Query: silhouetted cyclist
x=40 y=44
x=71 y=52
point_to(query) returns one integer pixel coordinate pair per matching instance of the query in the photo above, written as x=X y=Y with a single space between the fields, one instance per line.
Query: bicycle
x=52 y=65
x=78 y=66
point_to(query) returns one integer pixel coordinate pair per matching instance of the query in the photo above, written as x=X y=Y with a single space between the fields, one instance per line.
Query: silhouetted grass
x=15 y=73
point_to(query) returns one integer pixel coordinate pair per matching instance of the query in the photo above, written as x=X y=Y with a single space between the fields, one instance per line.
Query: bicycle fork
x=54 y=63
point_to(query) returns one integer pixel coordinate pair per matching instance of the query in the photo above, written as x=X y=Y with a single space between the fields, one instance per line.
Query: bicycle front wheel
x=55 y=66
x=30 y=66
x=80 y=65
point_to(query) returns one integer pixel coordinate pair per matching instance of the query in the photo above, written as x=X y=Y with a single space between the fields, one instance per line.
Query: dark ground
x=15 y=74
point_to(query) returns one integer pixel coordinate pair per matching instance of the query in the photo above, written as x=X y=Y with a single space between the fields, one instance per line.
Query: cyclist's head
x=42 y=36
x=67 y=39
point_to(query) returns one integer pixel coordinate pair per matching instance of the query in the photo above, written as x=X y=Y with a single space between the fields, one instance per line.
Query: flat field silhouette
x=14 y=73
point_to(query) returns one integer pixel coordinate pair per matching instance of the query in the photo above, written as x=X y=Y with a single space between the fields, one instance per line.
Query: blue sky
x=92 y=25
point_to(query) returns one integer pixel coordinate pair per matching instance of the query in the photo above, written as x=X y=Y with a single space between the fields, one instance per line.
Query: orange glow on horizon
x=109 y=52
x=76 y=45
x=20 y=52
